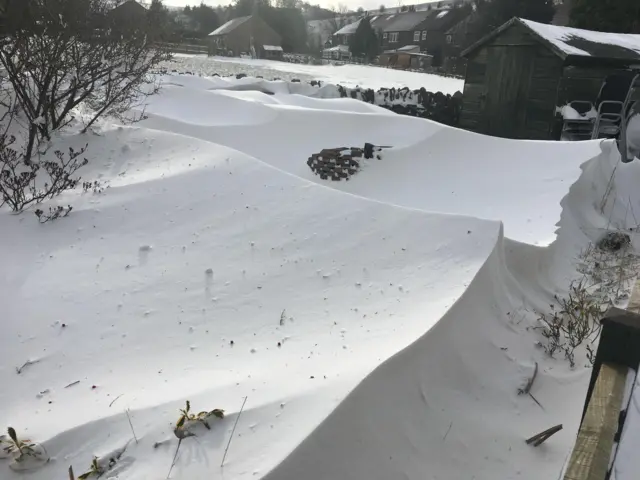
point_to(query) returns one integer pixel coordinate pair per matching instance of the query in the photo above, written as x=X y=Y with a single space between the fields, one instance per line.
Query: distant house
x=245 y=35
x=424 y=29
x=457 y=38
x=129 y=15
x=431 y=33
x=339 y=52
x=518 y=76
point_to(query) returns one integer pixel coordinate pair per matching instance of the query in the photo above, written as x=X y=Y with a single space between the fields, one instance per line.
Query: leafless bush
x=95 y=186
x=574 y=319
x=572 y=322
x=54 y=213
x=60 y=55
x=25 y=180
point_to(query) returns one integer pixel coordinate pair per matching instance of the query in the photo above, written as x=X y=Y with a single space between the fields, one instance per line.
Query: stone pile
x=341 y=163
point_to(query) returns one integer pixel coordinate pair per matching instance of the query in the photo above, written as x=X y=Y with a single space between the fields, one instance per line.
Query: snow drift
x=379 y=328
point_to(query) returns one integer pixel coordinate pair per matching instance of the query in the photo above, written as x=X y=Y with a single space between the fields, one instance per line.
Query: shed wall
x=511 y=87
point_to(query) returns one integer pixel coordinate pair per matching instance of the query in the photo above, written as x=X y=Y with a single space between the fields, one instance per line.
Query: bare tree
x=340 y=18
x=60 y=55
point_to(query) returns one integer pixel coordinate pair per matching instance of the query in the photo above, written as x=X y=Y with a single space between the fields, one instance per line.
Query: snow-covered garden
x=378 y=328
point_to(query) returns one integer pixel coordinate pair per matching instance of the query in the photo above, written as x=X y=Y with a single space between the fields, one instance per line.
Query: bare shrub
x=572 y=322
x=58 y=56
x=608 y=273
x=27 y=179
x=54 y=213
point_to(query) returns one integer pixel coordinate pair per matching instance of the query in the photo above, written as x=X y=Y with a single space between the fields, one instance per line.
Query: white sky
x=354 y=4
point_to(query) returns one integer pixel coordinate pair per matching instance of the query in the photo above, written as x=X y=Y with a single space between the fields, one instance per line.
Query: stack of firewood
x=341 y=163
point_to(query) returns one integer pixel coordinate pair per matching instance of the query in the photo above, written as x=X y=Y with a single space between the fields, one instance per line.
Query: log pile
x=341 y=163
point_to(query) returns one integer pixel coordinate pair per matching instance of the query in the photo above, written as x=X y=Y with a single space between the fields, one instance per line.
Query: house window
x=416 y=36
x=424 y=35
x=393 y=37
x=449 y=38
x=384 y=35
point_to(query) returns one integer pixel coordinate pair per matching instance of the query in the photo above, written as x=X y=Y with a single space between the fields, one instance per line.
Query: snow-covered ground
x=346 y=75
x=379 y=328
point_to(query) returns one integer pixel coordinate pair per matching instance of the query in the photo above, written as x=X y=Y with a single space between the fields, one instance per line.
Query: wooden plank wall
x=594 y=444
x=592 y=451
x=536 y=87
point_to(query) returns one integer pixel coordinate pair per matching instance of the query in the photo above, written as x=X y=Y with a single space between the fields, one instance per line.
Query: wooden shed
x=518 y=76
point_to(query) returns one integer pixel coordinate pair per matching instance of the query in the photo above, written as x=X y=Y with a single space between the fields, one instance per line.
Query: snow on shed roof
x=272 y=48
x=229 y=26
x=574 y=42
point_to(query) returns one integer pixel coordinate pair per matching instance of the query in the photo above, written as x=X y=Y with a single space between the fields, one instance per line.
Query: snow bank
x=379 y=328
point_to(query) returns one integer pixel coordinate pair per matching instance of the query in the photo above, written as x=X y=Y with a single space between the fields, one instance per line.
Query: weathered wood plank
x=592 y=451
x=634 y=302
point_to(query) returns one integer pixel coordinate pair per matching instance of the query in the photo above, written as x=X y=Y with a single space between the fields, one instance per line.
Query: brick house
x=425 y=30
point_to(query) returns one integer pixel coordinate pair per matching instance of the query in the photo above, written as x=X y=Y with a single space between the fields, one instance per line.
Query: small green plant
x=186 y=415
x=23 y=447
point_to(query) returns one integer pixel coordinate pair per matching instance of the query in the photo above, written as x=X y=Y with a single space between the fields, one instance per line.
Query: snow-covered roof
x=575 y=41
x=567 y=41
x=409 y=48
x=229 y=26
x=272 y=48
x=404 y=22
x=349 y=29
x=337 y=48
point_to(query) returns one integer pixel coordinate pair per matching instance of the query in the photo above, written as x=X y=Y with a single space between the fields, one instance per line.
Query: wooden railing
x=618 y=352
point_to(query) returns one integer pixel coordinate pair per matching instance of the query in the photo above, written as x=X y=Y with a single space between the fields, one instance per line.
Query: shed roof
x=229 y=26
x=573 y=42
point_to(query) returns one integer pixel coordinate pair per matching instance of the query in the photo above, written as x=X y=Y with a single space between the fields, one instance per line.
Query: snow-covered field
x=346 y=75
x=379 y=328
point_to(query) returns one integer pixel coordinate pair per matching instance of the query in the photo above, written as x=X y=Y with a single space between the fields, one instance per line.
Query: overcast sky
x=354 y=4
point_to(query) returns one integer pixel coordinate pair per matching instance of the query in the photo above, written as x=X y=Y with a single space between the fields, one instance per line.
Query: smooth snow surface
x=379 y=328
x=346 y=75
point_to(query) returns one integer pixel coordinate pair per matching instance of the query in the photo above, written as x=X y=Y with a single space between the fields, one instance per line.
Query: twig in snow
x=282 y=318
x=130 y=424
x=445 y=435
x=114 y=400
x=536 y=400
x=527 y=387
x=74 y=383
x=71 y=475
x=542 y=436
x=174 y=458
x=25 y=365
x=232 y=431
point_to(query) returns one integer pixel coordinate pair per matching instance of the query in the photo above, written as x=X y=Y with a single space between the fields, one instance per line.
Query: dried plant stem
x=174 y=457
x=131 y=425
x=232 y=431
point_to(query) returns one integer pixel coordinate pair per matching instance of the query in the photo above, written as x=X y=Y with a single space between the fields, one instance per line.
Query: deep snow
x=406 y=314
